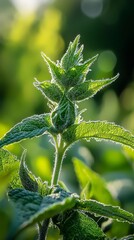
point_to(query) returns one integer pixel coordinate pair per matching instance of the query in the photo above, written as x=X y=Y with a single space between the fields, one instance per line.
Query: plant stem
x=43 y=229
x=58 y=161
x=60 y=150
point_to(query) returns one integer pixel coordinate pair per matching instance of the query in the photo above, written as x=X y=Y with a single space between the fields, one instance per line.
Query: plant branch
x=59 y=155
x=43 y=229
x=60 y=150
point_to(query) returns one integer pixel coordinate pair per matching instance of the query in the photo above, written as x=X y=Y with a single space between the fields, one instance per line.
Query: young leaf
x=77 y=74
x=28 y=128
x=43 y=187
x=50 y=90
x=88 y=89
x=64 y=114
x=32 y=207
x=87 y=191
x=109 y=211
x=27 y=178
x=79 y=226
x=84 y=67
x=55 y=70
x=99 y=130
x=73 y=55
x=98 y=185
x=9 y=166
x=63 y=186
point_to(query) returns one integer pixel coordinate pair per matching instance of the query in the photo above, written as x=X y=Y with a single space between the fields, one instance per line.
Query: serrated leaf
x=80 y=226
x=77 y=74
x=28 y=128
x=89 y=88
x=9 y=166
x=73 y=55
x=69 y=71
x=98 y=189
x=84 y=67
x=50 y=90
x=114 y=212
x=27 y=178
x=55 y=70
x=32 y=207
x=98 y=130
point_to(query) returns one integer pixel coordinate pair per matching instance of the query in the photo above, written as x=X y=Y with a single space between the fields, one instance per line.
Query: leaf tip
x=44 y=56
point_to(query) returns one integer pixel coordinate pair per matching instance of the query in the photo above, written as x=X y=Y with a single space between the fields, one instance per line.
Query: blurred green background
x=28 y=27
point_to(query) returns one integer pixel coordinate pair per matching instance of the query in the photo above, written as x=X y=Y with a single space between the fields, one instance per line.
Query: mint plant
x=34 y=201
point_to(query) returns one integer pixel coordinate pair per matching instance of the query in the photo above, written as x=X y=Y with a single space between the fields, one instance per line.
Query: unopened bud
x=64 y=115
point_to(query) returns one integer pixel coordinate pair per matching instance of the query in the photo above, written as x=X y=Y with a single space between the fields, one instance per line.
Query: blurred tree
x=21 y=62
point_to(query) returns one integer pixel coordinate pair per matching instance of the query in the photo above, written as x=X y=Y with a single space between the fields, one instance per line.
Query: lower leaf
x=9 y=165
x=28 y=180
x=99 y=130
x=109 y=211
x=28 y=128
x=79 y=226
x=32 y=207
x=92 y=183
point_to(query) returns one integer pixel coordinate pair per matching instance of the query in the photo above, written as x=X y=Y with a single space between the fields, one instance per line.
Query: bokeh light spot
x=107 y=61
x=29 y=6
x=43 y=167
x=127 y=98
x=92 y=8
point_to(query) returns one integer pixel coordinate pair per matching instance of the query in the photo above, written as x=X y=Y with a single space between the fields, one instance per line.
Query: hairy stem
x=58 y=161
x=55 y=177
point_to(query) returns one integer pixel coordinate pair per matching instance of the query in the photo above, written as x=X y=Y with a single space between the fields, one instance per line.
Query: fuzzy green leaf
x=10 y=164
x=55 y=70
x=73 y=55
x=50 y=90
x=77 y=74
x=28 y=128
x=84 y=67
x=99 y=130
x=27 y=178
x=87 y=191
x=98 y=188
x=69 y=71
x=89 y=88
x=79 y=226
x=109 y=211
x=64 y=114
x=32 y=207
x=43 y=187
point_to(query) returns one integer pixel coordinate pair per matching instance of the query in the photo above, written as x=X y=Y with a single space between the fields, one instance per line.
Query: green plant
x=75 y=216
